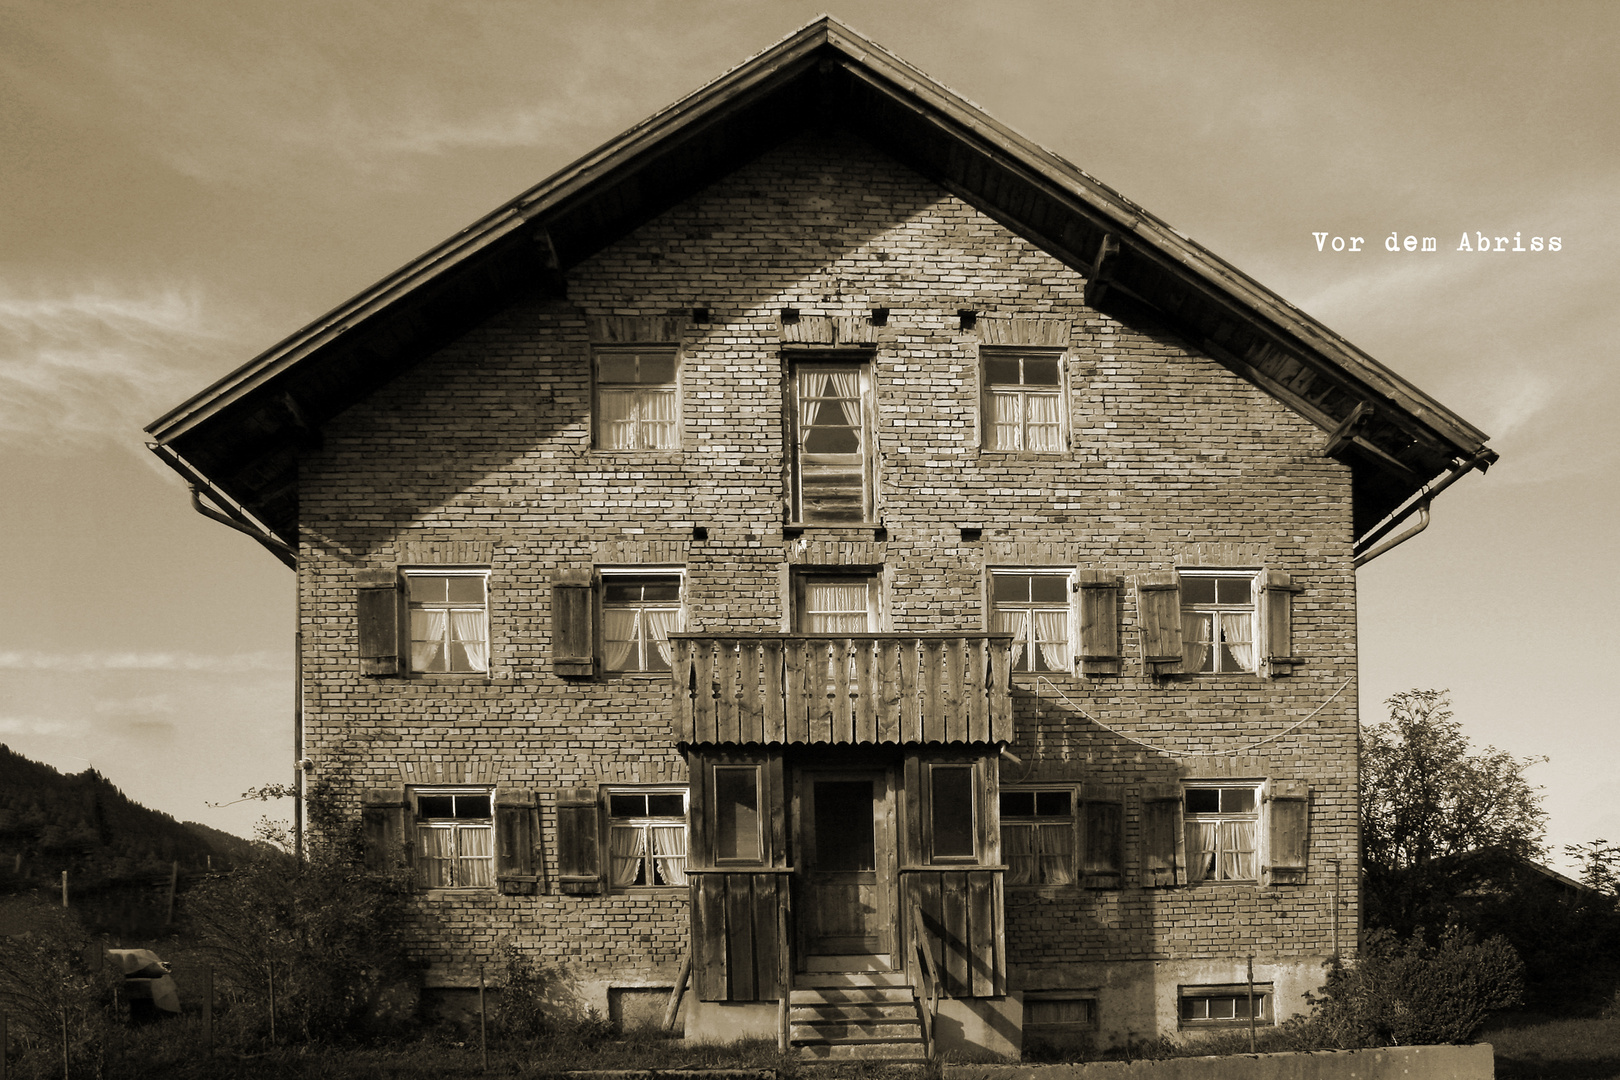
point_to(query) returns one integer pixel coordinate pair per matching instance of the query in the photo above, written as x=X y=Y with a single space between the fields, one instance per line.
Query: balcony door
x=845 y=904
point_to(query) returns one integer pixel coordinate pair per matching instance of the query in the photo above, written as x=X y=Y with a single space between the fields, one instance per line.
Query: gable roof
x=238 y=440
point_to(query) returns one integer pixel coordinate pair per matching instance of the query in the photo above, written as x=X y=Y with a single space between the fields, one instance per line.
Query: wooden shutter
x=1158 y=610
x=377 y=614
x=1099 y=623
x=1277 y=613
x=517 y=841
x=579 y=842
x=1102 y=839
x=573 y=642
x=1288 y=809
x=386 y=825
x=1162 y=864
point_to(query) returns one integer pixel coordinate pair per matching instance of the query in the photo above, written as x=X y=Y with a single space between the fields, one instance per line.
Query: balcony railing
x=863 y=688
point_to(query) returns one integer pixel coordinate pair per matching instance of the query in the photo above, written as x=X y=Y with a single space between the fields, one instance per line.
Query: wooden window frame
x=1069 y=628
x=1256 y=578
x=606 y=574
x=1257 y=815
x=761 y=813
x=407 y=574
x=420 y=822
x=988 y=391
x=646 y=823
x=1058 y=1029
x=1072 y=821
x=861 y=364
x=975 y=812
x=1264 y=996
x=871 y=577
x=598 y=384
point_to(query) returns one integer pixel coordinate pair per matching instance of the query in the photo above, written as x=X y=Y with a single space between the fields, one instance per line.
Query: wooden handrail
x=930 y=978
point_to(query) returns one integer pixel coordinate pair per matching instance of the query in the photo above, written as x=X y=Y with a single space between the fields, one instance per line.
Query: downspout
x=1419 y=504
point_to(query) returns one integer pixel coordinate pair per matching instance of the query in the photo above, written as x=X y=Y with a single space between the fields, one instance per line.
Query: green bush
x=1406 y=992
x=53 y=980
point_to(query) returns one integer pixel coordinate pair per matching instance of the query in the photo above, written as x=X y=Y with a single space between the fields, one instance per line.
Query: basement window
x=1224 y=1006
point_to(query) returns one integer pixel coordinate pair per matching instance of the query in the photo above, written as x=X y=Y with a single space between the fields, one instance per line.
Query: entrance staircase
x=855 y=1016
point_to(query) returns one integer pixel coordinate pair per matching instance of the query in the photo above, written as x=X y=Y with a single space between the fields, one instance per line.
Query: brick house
x=825 y=538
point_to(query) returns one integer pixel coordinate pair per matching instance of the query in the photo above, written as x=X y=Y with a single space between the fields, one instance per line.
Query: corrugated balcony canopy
x=828 y=689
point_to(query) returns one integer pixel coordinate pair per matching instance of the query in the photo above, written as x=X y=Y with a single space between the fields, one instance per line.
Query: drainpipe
x=1419 y=504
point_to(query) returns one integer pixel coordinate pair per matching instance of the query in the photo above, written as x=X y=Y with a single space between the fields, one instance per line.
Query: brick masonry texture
x=1171 y=460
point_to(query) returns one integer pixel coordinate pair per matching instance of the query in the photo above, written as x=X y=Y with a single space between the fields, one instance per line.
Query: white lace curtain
x=637 y=419
x=1230 y=847
x=669 y=848
x=623 y=629
x=428 y=639
x=1025 y=421
x=469 y=632
x=477 y=856
x=1194 y=641
x=451 y=856
x=1042 y=433
x=1038 y=854
x=1051 y=635
x=835 y=607
x=817 y=385
x=627 y=846
x=1237 y=632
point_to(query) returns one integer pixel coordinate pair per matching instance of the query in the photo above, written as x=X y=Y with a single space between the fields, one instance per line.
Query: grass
x=1533 y=1046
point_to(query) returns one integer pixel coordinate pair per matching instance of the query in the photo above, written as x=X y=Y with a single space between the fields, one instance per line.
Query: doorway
x=845 y=899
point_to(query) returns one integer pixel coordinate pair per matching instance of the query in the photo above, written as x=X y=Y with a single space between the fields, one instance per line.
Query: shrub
x=53 y=977
x=1408 y=992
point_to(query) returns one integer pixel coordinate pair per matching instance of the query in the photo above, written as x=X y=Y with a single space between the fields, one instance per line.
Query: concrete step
x=851 y=978
x=851 y=995
x=900 y=1052
x=856 y=1031
x=877 y=1010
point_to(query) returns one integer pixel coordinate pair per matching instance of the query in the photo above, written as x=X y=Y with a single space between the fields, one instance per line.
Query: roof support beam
x=1100 y=277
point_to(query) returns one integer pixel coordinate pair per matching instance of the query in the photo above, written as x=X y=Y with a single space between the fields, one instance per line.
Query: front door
x=846 y=842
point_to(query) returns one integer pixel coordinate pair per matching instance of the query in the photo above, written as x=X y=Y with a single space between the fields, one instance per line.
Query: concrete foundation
x=730 y=1021
x=1391 y=1063
x=980 y=1027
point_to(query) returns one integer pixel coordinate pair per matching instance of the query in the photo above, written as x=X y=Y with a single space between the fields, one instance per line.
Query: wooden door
x=845 y=906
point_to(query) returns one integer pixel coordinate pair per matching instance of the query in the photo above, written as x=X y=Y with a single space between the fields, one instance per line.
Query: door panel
x=847 y=871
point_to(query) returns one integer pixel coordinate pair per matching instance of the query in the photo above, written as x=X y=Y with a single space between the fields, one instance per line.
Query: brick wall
x=1172 y=461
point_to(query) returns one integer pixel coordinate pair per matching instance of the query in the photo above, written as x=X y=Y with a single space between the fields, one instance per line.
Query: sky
x=182 y=184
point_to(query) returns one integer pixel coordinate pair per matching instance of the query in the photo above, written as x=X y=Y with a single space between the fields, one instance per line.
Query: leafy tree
x=1426 y=795
x=1600 y=864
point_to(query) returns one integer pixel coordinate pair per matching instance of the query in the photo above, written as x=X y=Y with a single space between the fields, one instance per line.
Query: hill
x=52 y=821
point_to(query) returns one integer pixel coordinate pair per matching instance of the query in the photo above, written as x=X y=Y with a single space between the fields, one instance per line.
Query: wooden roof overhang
x=241 y=436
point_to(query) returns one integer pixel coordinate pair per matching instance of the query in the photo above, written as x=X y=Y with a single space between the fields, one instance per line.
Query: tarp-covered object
x=146 y=978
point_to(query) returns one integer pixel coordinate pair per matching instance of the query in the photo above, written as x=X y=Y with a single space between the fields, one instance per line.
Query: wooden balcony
x=842 y=689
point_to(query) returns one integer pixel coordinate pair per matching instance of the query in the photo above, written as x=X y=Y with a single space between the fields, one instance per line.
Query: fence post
x=3 y=1044
x=270 y=976
x=174 y=882
x=64 y=888
x=208 y=1011
x=64 y=1033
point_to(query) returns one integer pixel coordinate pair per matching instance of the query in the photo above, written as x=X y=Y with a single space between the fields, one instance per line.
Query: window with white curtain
x=1038 y=835
x=832 y=459
x=455 y=837
x=647 y=837
x=836 y=603
x=1034 y=609
x=1223 y=832
x=1218 y=620
x=1023 y=398
x=637 y=400
x=639 y=612
x=449 y=620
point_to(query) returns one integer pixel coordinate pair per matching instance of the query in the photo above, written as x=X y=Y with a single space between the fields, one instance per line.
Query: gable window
x=1034 y=609
x=1215 y=1006
x=637 y=402
x=1223 y=832
x=1037 y=836
x=836 y=603
x=832 y=440
x=647 y=837
x=1217 y=620
x=1023 y=401
x=639 y=612
x=455 y=837
x=448 y=619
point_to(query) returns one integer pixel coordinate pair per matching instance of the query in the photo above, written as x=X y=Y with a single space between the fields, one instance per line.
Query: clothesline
x=1184 y=753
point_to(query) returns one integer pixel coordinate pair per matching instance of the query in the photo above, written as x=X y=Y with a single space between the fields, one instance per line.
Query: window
x=1037 y=836
x=1023 y=401
x=736 y=814
x=637 y=403
x=950 y=810
x=1034 y=609
x=833 y=481
x=1053 y=1014
x=836 y=603
x=1223 y=832
x=639 y=612
x=647 y=838
x=455 y=838
x=1217 y=620
x=1218 y=1005
x=449 y=620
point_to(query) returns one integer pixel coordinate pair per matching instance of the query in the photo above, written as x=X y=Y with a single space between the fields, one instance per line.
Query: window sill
x=447 y=676
x=637 y=455
x=457 y=891
x=1032 y=455
x=1223 y=1025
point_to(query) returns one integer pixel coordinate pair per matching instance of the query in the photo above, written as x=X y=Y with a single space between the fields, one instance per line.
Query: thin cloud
x=149 y=705
x=92 y=365
x=28 y=660
x=36 y=725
